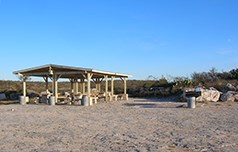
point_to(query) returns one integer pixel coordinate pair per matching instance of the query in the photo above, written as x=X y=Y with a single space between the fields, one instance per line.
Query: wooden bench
x=113 y=97
x=120 y=97
x=93 y=100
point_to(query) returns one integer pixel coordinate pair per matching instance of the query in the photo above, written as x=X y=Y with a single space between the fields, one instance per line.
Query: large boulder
x=230 y=87
x=209 y=95
x=229 y=96
x=236 y=97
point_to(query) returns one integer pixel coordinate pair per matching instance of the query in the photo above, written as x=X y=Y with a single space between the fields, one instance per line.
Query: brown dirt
x=136 y=125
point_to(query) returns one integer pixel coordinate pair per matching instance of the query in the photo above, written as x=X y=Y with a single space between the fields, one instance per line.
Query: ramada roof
x=67 y=72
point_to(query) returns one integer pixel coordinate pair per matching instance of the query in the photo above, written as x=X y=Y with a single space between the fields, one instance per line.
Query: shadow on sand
x=7 y=102
x=156 y=103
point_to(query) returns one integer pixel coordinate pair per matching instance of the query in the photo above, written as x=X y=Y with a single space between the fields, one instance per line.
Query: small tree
x=151 y=77
x=213 y=75
x=234 y=74
x=205 y=77
x=224 y=75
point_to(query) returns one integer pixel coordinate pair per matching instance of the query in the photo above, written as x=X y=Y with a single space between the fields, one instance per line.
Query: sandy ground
x=136 y=125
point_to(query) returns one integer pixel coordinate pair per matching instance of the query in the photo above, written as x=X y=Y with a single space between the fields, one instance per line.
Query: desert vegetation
x=172 y=86
x=151 y=87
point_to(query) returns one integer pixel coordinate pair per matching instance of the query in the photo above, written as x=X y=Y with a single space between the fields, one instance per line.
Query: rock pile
x=209 y=95
x=230 y=96
x=229 y=93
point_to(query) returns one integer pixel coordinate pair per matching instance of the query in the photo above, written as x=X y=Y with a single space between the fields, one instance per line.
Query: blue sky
x=139 y=37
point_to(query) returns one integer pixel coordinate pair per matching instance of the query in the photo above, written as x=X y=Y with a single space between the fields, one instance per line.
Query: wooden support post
x=112 y=85
x=106 y=87
x=125 y=96
x=88 y=85
x=24 y=98
x=24 y=87
x=55 y=86
x=76 y=90
x=124 y=81
x=46 y=83
x=89 y=76
x=56 y=89
x=82 y=86
x=71 y=85
x=96 y=83
x=98 y=87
